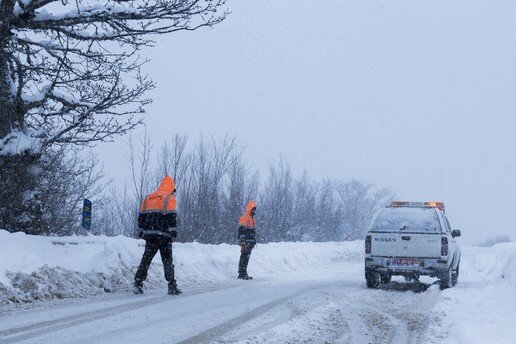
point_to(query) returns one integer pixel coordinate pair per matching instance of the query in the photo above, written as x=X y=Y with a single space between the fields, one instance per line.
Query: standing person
x=246 y=239
x=157 y=221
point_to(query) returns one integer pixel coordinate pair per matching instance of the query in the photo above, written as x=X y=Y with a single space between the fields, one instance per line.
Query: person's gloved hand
x=140 y=234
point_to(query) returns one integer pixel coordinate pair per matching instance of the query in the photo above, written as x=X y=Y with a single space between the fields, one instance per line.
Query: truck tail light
x=368 y=244
x=444 y=246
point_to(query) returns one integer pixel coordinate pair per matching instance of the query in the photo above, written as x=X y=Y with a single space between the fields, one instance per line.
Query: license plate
x=406 y=261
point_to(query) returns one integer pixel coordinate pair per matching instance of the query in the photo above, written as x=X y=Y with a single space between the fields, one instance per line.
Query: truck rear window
x=406 y=220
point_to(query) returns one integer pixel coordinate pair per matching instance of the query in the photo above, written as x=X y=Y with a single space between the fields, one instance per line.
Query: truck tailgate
x=398 y=244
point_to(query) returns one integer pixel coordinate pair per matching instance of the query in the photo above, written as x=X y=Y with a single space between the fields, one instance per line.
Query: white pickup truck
x=412 y=239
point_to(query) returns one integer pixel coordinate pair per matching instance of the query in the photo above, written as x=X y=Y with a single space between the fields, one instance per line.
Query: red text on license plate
x=405 y=261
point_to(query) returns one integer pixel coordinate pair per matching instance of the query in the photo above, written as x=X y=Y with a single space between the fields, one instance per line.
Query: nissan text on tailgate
x=411 y=239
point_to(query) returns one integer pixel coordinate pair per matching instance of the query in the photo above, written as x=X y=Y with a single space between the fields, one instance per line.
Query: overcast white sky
x=394 y=92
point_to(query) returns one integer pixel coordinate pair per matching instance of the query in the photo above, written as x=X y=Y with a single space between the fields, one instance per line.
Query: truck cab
x=411 y=239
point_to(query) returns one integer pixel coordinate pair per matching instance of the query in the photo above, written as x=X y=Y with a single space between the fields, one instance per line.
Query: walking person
x=158 y=221
x=246 y=239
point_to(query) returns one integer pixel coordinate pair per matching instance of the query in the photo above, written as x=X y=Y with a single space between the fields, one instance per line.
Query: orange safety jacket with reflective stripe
x=162 y=199
x=247 y=225
x=158 y=211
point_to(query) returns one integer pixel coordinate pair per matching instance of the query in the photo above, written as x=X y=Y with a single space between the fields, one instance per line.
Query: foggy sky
x=404 y=94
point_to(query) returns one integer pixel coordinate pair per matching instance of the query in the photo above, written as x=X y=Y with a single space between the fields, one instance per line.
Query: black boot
x=138 y=287
x=245 y=277
x=173 y=289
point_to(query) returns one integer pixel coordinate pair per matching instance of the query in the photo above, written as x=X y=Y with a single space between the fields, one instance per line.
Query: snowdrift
x=480 y=309
x=37 y=268
x=491 y=265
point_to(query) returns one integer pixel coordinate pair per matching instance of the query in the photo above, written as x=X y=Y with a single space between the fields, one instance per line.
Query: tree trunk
x=7 y=100
x=19 y=207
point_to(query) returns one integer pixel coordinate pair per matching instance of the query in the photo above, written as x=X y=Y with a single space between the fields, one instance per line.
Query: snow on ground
x=481 y=308
x=302 y=293
x=37 y=268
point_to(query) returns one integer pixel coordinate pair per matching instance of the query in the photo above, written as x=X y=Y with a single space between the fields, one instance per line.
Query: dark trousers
x=152 y=246
x=245 y=254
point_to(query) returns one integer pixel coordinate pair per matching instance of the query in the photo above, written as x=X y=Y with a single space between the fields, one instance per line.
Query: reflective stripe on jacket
x=158 y=211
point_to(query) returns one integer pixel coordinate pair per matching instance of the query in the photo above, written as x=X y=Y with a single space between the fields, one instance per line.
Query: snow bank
x=492 y=265
x=35 y=268
x=480 y=309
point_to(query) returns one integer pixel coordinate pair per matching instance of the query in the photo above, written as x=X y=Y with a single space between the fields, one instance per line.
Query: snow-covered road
x=328 y=305
x=302 y=292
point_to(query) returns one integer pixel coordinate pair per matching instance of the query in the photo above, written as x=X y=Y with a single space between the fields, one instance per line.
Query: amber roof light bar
x=405 y=204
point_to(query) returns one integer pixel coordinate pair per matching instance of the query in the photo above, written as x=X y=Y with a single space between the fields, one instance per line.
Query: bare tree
x=359 y=204
x=303 y=215
x=173 y=159
x=239 y=189
x=62 y=64
x=215 y=184
x=277 y=202
x=327 y=208
x=70 y=73
x=118 y=217
x=215 y=160
x=139 y=160
x=67 y=177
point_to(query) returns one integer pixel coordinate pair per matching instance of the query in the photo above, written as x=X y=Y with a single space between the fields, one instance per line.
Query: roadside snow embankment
x=37 y=268
x=480 y=309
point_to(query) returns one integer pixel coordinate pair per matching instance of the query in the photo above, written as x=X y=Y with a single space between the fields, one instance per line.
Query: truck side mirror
x=455 y=233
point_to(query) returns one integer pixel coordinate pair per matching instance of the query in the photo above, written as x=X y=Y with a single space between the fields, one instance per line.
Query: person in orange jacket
x=246 y=239
x=157 y=222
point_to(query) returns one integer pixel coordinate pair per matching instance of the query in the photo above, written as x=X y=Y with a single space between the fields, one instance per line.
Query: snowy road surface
x=302 y=293
x=323 y=306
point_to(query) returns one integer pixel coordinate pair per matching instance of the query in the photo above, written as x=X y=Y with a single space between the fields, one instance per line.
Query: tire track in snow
x=402 y=316
x=312 y=318
x=342 y=315
x=323 y=324
x=216 y=334
x=339 y=312
x=219 y=330
x=17 y=334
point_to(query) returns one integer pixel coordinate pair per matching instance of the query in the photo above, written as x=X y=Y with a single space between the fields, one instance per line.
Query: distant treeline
x=214 y=182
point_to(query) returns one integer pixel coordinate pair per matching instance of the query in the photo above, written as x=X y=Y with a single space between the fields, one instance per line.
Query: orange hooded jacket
x=247 y=226
x=247 y=220
x=161 y=200
x=158 y=211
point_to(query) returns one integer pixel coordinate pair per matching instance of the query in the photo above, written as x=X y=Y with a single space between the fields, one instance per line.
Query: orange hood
x=250 y=206
x=167 y=185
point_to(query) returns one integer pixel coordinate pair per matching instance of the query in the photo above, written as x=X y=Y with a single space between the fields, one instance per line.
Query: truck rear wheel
x=455 y=275
x=446 y=279
x=372 y=279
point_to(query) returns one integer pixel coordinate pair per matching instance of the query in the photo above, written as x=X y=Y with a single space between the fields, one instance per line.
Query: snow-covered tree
x=70 y=73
